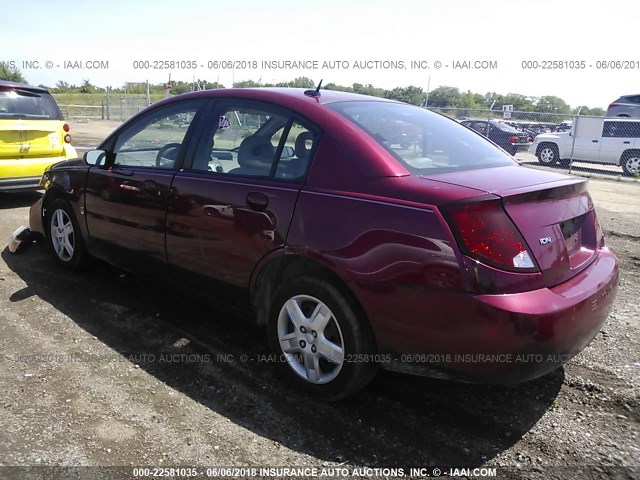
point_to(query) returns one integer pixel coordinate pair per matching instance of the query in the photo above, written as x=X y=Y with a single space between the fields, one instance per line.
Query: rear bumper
x=25 y=173
x=520 y=147
x=16 y=184
x=503 y=339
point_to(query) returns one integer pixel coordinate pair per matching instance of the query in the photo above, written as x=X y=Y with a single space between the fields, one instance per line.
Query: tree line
x=441 y=97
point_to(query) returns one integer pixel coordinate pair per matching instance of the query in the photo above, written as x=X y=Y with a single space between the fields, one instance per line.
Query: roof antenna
x=314 y=93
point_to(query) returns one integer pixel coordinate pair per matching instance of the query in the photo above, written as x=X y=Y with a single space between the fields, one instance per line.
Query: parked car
x=503 y=135
x=625 y=106
x=33 y=135
x=596 y=140
x=356 y=253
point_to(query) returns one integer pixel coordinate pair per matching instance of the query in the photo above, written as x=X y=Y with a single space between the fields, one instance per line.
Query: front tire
x=324 y=347
x=64 y=236
x=548 y=154
x=630 y=164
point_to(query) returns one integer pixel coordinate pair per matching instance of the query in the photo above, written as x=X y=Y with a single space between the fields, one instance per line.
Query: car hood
x=552 y=136
x=74 y=162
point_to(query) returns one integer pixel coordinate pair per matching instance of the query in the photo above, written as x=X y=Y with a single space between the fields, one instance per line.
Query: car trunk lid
x=553 y=212
x=21 y=138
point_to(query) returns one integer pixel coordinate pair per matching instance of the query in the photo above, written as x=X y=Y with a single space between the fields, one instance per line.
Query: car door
x=586 y=139
x=126 y=199
x=617 y=136
x=233 y=204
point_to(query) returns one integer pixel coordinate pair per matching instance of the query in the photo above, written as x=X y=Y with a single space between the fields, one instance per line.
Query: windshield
x=16 y=103
x=426 y=143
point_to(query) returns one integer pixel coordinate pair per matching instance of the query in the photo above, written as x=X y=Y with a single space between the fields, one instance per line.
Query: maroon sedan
x=440 y=256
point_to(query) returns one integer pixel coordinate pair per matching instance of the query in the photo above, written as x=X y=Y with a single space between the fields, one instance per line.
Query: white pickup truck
x=614 y=141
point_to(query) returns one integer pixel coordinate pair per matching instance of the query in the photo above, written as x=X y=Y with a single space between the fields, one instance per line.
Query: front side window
x=155 y=140
x=424 y=142
x=255 y=140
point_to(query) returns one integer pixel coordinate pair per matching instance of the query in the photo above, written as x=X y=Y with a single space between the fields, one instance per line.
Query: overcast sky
x=507 y=32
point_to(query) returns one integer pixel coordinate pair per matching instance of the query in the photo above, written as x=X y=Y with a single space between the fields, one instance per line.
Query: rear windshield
x=424 y=142
x=16 y=103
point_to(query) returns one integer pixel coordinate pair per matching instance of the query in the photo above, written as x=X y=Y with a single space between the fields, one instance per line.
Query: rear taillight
x=485 y=232
x=67 y=138
x=514 y=139
x=66 y=127
x=612 y=105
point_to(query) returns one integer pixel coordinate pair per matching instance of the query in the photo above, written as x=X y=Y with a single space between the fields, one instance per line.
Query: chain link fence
x=120 y=107
x=104 y=106
x=577 y=144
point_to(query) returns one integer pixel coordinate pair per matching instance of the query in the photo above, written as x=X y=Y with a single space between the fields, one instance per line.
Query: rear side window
x=424 y=142
x=253 y=139
x=23 y=104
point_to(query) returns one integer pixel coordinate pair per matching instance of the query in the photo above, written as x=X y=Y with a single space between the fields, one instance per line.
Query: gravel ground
x=103 y=368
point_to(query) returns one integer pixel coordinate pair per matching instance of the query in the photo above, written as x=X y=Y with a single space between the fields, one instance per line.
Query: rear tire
x=64 y=236
x=324 y=347
x=548 y=154
x=630 y=163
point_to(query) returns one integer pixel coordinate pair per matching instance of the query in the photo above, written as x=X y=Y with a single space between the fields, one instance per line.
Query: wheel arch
x=51 y=195
x=57 y=191
x=547 y=143
x=628 y=153
x=276 y=269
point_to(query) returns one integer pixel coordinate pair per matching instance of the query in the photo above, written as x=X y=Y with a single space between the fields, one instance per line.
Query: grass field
x=97 y=99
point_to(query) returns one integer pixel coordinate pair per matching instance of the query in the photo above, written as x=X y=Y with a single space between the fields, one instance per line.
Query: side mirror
x=97 y=158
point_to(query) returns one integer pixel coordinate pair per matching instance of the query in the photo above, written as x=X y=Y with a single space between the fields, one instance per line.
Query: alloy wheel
x=547 y=155
x=62 y=235
x=311 y=339
x=632 y=165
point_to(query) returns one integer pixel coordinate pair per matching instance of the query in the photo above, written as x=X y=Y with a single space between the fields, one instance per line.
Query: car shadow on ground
x=397 y=420
x=10 y=200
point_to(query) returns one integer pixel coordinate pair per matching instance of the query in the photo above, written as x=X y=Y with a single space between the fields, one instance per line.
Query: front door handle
x=627 y=142
x=594 y=141
x=257 y=201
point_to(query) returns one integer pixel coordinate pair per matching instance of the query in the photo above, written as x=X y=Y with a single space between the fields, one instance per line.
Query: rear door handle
x=627 y=142
x=594 y=141
x=257 y=201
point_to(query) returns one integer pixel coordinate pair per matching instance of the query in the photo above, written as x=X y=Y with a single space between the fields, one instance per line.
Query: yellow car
x=33 y=135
